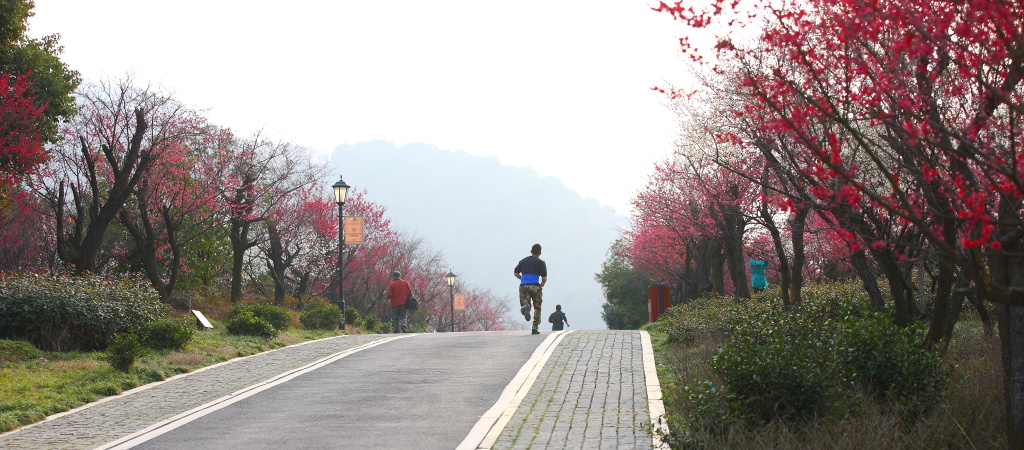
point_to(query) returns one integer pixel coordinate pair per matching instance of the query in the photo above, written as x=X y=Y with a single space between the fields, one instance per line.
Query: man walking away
x=398 y=292
x=557 y=318
x=532 y=274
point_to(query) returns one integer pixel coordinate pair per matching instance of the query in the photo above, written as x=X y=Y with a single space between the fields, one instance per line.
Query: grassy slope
x=35 y=384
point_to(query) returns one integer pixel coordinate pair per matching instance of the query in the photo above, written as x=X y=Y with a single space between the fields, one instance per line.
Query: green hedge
x=323 y=317
x=245 y=322
x=277 y=317
x=74 y=313
x=167 y=334
x=824 y=357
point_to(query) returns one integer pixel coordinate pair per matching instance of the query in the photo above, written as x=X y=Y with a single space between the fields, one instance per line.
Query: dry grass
x=184 y=359
x=971 y=416
x=71 y=365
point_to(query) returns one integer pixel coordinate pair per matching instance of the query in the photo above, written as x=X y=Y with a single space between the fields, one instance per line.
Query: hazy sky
x=561 y=86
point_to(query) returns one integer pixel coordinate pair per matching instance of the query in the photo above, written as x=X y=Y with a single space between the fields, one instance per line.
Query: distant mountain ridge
x=486 y=215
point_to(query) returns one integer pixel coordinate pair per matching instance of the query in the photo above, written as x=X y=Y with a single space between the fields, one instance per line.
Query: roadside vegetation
x=122 y=337
x=829 y=373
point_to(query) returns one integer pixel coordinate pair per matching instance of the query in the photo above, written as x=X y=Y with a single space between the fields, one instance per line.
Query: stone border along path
x=584 y=397
x=115 y=417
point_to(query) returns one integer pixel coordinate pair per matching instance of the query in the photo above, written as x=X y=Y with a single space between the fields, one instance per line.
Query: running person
x=532 y=274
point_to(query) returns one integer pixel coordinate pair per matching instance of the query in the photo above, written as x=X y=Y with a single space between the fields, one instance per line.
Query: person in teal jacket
x=757 y=268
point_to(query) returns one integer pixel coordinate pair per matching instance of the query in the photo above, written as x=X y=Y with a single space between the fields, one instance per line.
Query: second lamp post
x=450 y=278
x=340 y=193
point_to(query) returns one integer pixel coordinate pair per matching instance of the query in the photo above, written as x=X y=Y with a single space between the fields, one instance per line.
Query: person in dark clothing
x=532 y=273
x=557 y=318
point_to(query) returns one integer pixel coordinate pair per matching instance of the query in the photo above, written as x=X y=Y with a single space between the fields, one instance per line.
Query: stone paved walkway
x=591 y=394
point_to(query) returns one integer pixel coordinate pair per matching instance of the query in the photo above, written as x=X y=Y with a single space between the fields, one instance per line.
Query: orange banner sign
x=353 y=230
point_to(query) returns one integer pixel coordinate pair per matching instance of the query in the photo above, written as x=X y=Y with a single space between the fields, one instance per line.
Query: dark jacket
x=556 y=319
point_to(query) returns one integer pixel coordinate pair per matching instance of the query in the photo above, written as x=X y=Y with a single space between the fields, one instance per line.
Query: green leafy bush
x=371 y=322
x=893 y=364
x=245 y=322
x=124 y=350
x=683 y=322
x=74 y=313
x=279 y=318
x=351 y=316
x=775 y=364
x=167 y=334
x=822 y=357
x=323 y=317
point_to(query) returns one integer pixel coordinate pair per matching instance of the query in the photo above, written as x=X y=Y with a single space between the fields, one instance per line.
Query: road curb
x=655 y=404
x=486 y=431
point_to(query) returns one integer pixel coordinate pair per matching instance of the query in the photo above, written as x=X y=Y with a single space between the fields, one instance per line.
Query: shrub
x=708 y=407
x=323 y=317
x=683 y=322
x=124 y=350
x=277 y=317
x=351 y=316
x=280 y=318
x=167 y=334
x=247 y=323
x=827 y=356
x=774 y=363
x=893 y=364
x=371 y=322
x=74 y=313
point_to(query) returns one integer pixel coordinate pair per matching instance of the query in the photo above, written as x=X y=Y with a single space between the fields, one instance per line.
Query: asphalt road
x=423 y=391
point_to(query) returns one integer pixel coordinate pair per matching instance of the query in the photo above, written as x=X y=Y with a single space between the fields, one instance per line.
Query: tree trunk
x=860 y=264
x=780 y=252
x=732 y=243
x=944 y=311
x=277 y=263
x=900 y=288
x=797 y=225
x=239 y=244
x=1011 y=336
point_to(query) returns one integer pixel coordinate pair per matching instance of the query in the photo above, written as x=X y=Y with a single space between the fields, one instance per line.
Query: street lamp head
x=450 y=278
x=340 y=191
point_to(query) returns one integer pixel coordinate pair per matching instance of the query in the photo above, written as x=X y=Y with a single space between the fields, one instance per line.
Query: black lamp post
x=450 y=278
x=340 y=193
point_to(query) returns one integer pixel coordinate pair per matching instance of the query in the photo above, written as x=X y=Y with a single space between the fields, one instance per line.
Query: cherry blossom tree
x=909 y=109
x=261 y=173
x=174 y=205
x=121 y=132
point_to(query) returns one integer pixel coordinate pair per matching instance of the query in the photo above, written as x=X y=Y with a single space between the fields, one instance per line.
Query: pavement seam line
x=655 y=404
x=486 y=431
x=178 y=420
x=155 y=384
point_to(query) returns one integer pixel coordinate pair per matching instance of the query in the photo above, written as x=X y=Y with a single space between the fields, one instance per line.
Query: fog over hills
x=485 y=216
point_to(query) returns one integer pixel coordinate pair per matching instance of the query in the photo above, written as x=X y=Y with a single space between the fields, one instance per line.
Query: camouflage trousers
x=532 y=295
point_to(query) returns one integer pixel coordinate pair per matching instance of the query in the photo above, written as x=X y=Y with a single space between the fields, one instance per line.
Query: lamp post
x=450 y=278
x=340 y=193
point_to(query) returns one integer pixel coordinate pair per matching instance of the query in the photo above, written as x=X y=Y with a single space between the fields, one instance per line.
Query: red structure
x=659 y=298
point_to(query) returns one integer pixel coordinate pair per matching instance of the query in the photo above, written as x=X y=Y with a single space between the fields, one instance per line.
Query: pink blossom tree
x=909 y=109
